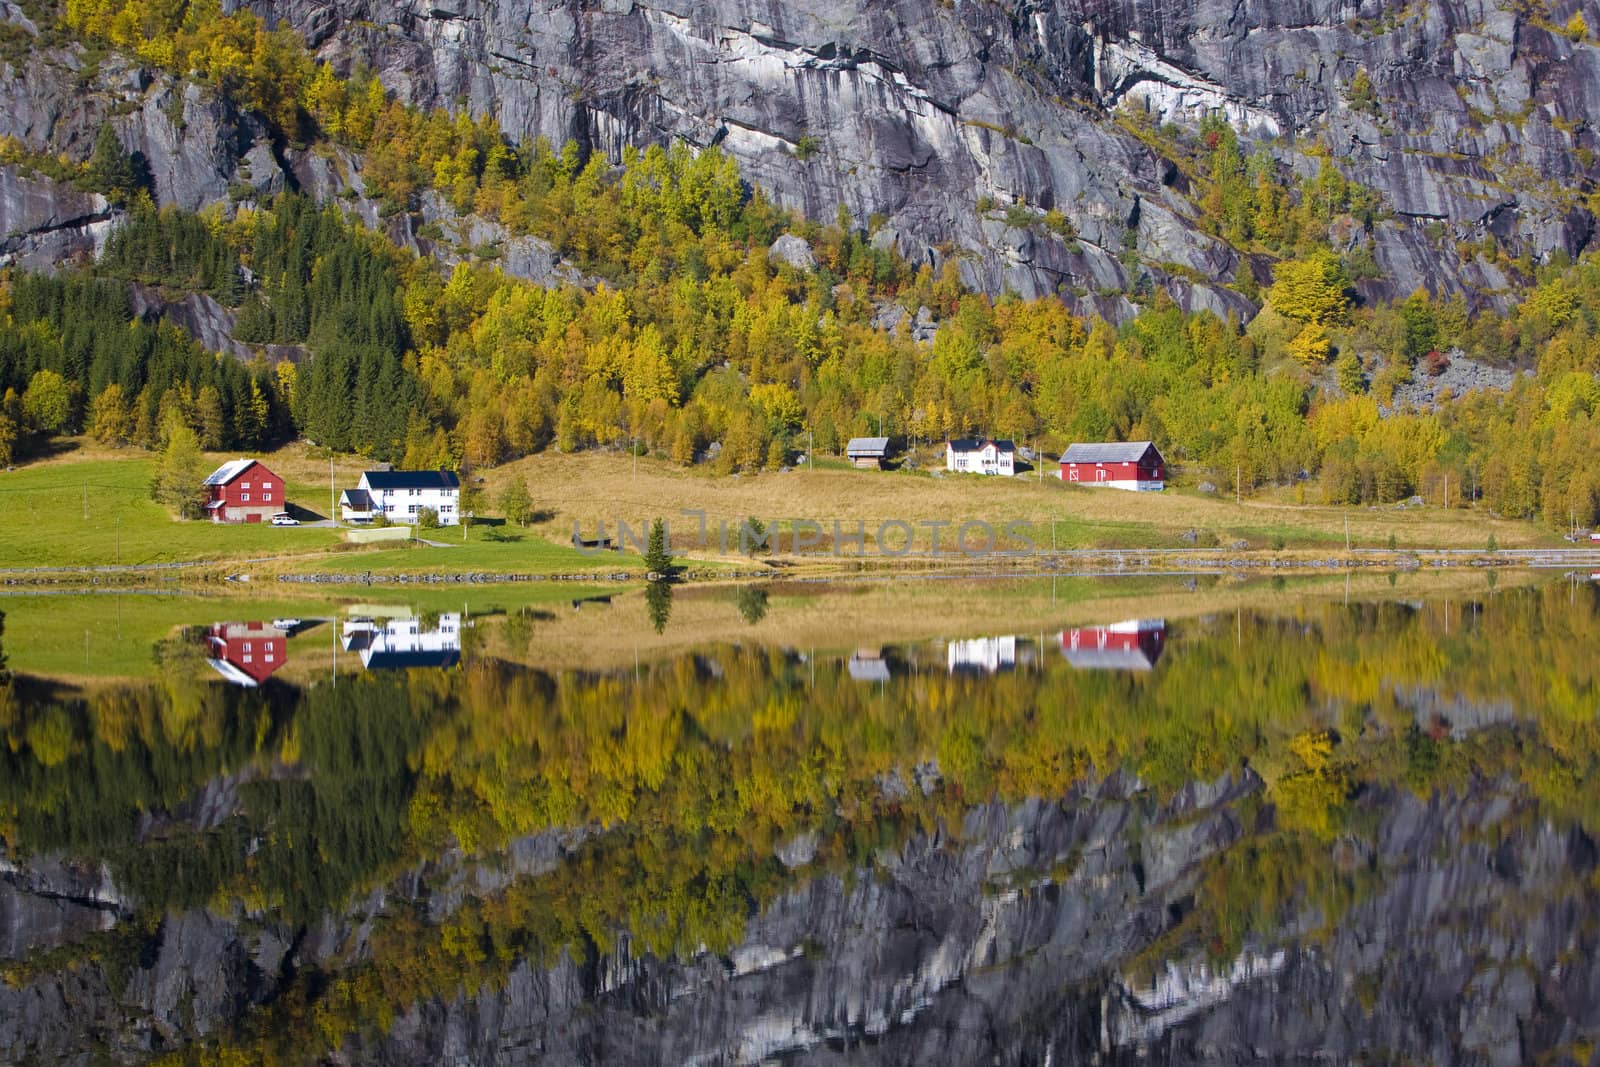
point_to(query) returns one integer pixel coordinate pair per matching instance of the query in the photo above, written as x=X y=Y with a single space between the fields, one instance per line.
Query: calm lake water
x=1165 y=820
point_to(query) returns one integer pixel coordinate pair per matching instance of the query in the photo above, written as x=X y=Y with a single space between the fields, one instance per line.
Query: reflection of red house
x=1125 y=646
x=246 y=653
x=1135 y=465
x=243 y=490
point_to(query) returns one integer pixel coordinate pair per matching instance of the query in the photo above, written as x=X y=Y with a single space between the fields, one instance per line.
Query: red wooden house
x=243 y=490
x=1133 y=465
x=246 y=653
x=1125 y=646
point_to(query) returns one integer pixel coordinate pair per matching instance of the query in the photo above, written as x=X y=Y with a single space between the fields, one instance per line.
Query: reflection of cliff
x=1125 y=646
x=400 y=643
x=955 y=948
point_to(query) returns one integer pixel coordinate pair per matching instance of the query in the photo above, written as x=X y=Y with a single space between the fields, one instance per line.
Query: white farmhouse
x=981 y=456
x=400 y=496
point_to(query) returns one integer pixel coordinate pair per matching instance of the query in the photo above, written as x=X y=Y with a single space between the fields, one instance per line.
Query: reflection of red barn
x=1135 y=465
x=242 y=490
x=1125 y=646
x=246 y=653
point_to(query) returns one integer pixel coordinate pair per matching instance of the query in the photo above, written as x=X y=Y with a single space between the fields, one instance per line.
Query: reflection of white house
x=400 y=496
x=868 y=665
x=1134 y=645
x=981 y=456
x=986 y=654
x=403 y=642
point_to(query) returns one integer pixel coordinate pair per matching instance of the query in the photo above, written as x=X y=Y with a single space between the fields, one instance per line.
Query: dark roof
x=867 y=446
x=976 y=444
x=412 y=480
x=1110 y=452
x=355 y=499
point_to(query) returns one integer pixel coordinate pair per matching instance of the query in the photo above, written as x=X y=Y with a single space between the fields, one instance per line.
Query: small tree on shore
x=516 y=503
x=428 y=519
x=656 y=557
x=179 y=484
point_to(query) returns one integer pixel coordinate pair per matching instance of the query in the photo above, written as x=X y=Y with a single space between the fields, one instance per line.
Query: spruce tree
x=657 y=559
x=111 y=170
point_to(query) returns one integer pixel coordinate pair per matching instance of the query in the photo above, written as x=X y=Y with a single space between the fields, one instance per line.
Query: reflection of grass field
x=841 y=616
x=114 y=635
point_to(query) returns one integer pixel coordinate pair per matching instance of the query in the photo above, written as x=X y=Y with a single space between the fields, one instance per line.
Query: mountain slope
x=1467 y=120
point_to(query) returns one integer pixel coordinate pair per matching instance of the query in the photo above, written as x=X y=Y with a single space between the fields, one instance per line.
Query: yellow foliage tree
x=1310 y=289
x=1311 y=346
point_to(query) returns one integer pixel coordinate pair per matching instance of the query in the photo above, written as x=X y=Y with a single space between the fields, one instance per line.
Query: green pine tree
x=656 y=557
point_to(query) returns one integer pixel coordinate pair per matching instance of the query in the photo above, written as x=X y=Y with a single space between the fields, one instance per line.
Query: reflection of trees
x=658 y=602
x=697 y=767
x=181 y=663
x=752 y=601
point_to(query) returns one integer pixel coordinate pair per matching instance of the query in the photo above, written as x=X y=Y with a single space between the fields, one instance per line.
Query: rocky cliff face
x=911 y=111
x=914 y=115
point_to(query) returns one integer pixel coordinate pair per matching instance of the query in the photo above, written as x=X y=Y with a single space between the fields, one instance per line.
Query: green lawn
x=45 y=506
x=504 y=550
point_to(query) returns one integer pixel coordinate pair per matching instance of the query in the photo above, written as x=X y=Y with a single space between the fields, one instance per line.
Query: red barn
x=1133 y=465
x=1134 y=645
x=243 y=490
x=246 y=653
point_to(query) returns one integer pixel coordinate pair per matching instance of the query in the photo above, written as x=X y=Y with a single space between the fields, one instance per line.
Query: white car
x=283 y=518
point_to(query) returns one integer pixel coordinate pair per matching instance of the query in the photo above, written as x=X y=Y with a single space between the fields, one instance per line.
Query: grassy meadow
x=47 y=501
x=46 y=504
x=590 y=486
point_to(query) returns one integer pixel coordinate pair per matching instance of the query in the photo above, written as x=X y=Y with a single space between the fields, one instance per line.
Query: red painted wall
x=1114 y=472
x=265 y=492
x=1150 y=641
x=250 y=647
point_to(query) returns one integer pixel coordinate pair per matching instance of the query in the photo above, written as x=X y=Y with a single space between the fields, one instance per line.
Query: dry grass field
x=590 y=487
